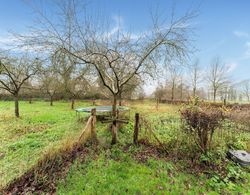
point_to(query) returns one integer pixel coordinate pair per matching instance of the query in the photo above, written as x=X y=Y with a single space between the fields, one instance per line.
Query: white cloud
x=6 y=41
x=119 y=25
x=231 y=66
x=10 y=43
x=241 y=34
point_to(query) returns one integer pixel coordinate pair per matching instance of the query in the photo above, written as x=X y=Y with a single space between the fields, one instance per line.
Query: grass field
x=39 y=129
x=123 y=168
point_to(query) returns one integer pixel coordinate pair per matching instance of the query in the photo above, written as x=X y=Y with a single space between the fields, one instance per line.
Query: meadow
x=167 y=159
x=40 y=128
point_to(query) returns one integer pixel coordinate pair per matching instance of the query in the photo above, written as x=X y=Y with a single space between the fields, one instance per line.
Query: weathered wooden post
x=114 y=132
x=224 y=101
x=157 y=104
x=136 y=128
x=93 y=123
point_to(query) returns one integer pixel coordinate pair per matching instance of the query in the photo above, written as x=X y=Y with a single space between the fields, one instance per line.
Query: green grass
x=111 y=170
x=116 y=172
x=106 y=175
x=25 y=140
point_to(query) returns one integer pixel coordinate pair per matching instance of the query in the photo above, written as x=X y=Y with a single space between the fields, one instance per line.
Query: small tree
x=195 y=76
x=71 y=74
x=174 y=76
x=159 y=92
x=201 y=124
x=50 y=84
x=77 y=88
x=14 y=72
x=246 y=89
x=217 y=76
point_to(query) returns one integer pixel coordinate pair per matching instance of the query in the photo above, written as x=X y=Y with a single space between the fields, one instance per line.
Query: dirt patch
x=44 y=176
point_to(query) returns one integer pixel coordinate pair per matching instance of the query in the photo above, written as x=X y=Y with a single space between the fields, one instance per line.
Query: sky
x=220 y=29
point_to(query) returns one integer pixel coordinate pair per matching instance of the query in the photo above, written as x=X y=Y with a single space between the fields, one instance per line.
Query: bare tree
x=118 y=57
x=217 y=76
x=28 y=90
x=50 y=83
x=174 y=78
x=159 y=94
x=14 y=72
x=128 y=89
x=195 y=76
x=246 y=89
x=71 y=74
x=232 y=93
x=140 y=93
x=183 y=89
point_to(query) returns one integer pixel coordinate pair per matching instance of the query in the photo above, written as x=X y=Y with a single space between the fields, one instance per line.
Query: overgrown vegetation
x=201 y=124
x=176 y=165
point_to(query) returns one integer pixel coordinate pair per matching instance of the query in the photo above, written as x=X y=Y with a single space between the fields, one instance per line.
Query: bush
x=201 y=124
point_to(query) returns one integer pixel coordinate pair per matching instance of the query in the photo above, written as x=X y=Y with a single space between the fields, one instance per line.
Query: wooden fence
x=89 y=130
x=149 y=132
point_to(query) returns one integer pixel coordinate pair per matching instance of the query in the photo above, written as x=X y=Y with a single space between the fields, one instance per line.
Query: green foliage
x=232 y=180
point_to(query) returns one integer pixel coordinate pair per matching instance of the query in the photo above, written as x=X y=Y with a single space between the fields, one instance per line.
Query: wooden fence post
x=114 y=132
x=93 y=123
x=136 y=128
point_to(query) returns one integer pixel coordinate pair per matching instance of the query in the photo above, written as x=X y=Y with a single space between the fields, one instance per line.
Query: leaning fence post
x=136 y=128
x=93 y=123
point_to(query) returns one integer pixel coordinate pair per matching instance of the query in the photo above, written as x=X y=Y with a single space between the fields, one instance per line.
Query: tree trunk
x=114 y=116
x=51 y=100
x=72 y=103
x=172 y=95
x=225 y=102
x=120 y=99
x=16 y=106
x=157 y=103
x=214 y=95
x=194 y=91
x=181 y=92
x=114 y=106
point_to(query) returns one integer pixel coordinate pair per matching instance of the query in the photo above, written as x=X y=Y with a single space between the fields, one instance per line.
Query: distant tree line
x=212 y=83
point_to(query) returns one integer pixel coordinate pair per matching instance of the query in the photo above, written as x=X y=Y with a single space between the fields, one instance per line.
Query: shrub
x=201 y=124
